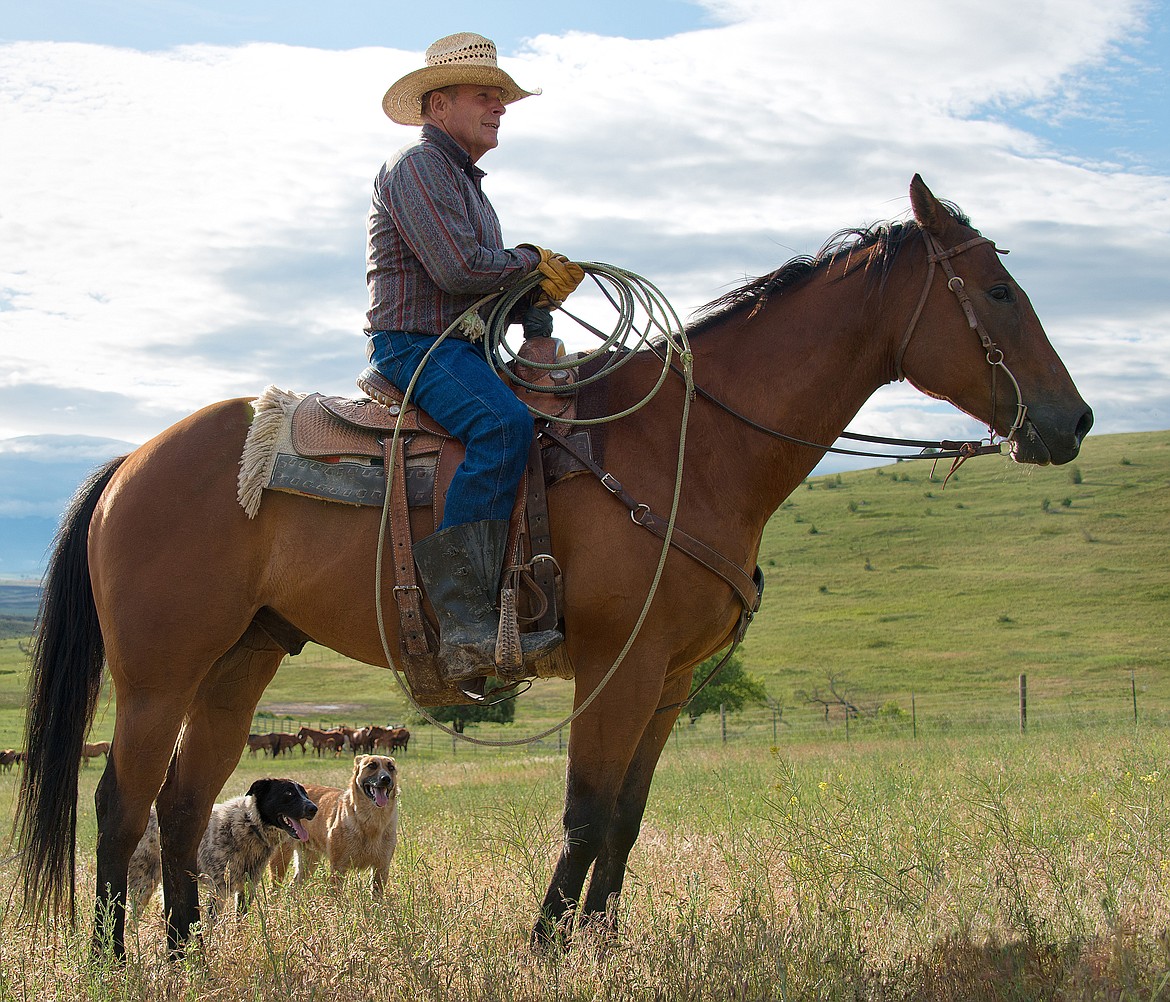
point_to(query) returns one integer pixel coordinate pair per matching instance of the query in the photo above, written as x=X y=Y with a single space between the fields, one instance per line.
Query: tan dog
x=354 y=828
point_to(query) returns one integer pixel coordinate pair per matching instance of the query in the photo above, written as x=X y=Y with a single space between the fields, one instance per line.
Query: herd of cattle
x=356 y=740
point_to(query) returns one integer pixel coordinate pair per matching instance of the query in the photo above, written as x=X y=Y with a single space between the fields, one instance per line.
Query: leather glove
x=537 y=322
x=561 y=276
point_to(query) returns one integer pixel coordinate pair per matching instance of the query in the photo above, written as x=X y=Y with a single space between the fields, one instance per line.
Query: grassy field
x=974 y=868
x=963 y=861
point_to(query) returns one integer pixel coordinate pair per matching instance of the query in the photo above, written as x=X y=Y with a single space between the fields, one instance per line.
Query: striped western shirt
x=433 y=239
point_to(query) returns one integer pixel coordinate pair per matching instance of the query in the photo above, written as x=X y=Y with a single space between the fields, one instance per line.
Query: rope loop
x=642 y=317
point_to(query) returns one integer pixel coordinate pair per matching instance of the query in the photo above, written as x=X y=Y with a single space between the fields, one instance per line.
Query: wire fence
x=1029 y=705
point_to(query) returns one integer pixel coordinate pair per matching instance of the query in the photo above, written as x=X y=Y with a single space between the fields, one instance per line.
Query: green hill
x=886 y=573
x=897 y=585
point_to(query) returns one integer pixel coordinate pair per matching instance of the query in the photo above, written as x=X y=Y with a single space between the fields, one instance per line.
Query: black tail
x=68 y=654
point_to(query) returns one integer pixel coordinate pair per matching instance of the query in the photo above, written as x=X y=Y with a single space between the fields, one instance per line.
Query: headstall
x=936 y=255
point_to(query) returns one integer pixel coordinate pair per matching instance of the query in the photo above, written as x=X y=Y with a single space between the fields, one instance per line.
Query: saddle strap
x=540 y=537
x=407 y=593
x=749 y=588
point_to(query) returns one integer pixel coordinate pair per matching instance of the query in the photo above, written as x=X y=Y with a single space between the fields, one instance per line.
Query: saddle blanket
x=353 y=481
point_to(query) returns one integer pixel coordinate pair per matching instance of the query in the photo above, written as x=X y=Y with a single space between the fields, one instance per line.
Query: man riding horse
x=434 y=250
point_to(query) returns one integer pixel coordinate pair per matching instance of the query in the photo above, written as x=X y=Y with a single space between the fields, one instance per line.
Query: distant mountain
x=38 y=475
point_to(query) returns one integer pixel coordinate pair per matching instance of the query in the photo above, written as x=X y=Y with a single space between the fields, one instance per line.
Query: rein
x=959 y=451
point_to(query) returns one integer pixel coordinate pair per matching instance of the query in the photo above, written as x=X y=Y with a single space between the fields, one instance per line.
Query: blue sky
x=346 y=24
x=183 y=186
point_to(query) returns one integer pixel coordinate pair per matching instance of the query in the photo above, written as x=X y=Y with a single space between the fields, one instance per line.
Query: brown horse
x=193 y=604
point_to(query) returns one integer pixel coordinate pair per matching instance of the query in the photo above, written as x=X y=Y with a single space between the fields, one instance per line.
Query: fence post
x=1133 y=689
x=914 y=716
x=723 y=722
x=1023 y=702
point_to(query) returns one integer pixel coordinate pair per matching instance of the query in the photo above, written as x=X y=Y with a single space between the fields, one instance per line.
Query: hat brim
x=403 y=101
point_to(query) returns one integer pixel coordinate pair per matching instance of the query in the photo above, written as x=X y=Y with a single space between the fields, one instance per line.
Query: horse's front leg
x=587 y=809
x=602 y=744
x=609 y=869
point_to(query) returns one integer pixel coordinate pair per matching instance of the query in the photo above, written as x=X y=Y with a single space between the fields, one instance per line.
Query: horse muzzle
x=1040 y=442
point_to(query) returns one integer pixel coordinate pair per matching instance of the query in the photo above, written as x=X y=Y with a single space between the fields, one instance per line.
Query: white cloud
x=188 y=225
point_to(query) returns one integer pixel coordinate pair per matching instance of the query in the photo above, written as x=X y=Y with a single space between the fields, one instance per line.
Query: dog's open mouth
x=295 y=828
x=379 y=792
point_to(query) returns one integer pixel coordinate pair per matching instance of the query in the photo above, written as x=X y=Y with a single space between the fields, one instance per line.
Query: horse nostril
x=1084 y=424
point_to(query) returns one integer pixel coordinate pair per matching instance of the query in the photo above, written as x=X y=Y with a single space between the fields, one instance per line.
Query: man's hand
x=561 y=276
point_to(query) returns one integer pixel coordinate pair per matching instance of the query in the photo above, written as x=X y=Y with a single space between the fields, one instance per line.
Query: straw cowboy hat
x=464 y=58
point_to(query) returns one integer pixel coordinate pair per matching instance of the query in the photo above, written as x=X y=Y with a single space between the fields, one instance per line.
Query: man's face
x=470 y=115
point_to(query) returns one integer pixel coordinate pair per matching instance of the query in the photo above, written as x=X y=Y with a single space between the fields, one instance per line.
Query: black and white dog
x=241 y=836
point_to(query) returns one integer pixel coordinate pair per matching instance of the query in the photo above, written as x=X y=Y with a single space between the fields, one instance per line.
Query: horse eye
x=1002 y=294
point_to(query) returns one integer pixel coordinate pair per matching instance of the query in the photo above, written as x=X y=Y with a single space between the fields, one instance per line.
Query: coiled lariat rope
x=642 y=312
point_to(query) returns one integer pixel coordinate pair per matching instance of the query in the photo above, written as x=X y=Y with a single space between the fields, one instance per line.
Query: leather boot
x=460 y=568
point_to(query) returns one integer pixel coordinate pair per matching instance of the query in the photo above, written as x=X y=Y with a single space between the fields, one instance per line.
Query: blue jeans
x=460 y=390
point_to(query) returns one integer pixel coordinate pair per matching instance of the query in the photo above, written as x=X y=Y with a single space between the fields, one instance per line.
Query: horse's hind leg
x=144 y=737
x=208 y=751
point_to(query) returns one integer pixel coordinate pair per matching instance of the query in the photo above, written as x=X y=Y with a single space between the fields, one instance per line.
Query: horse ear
x=930 y=214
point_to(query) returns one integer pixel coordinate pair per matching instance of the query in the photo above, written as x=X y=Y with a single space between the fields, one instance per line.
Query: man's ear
x=435 y=104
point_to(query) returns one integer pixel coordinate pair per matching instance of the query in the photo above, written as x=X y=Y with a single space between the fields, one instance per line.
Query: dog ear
x=359 y=763
x=259 y=788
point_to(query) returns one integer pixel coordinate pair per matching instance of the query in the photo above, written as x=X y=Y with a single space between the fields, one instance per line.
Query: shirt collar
x=457 y=154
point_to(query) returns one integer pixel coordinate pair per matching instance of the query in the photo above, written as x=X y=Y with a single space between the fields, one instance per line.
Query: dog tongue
x=380 y=797
x=301 y=832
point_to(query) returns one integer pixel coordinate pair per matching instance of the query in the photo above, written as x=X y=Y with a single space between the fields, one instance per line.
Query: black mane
x=882 y=241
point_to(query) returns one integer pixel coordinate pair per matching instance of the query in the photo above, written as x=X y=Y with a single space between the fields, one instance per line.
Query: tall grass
x=1030 y=867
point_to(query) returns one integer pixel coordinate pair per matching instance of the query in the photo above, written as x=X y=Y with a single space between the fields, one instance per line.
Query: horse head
x=1004 y=371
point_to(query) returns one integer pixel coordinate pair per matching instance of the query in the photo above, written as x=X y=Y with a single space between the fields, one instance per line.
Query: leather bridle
x=936 y=255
